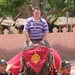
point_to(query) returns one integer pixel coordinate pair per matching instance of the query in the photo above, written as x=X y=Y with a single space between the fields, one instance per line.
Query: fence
x=64 y=43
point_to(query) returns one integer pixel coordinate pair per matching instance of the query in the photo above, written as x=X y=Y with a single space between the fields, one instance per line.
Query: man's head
x=3 y=65
x=36 y=12
x=66 y=67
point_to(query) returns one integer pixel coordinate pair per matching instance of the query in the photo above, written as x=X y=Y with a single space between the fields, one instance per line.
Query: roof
x=63 y=20
x=7 y=22
x=20 y=22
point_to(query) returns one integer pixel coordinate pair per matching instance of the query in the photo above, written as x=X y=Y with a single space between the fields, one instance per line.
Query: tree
x=14 y=7
x=23 y=8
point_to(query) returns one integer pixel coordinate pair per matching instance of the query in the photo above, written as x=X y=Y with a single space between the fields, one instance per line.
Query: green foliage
x=10 y=7
x=61 y=4
x=6 y=8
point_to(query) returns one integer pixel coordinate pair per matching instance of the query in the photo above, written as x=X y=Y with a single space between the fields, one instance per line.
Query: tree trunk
x=43 y=6
x=36 y=3
x=25 y=10
x=16 y=17
x=52 y=11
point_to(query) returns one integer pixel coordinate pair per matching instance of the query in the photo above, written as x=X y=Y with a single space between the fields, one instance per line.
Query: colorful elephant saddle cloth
x=36 y=57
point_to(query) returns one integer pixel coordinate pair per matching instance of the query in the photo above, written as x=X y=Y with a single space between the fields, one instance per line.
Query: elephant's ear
x=26 y=45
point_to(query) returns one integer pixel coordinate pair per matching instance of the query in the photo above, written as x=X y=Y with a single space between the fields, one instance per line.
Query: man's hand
x=42 y=42
x=30 y=43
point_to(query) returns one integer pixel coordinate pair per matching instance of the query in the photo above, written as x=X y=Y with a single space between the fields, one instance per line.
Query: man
x=35 y=28
x=65 y=68
x=3 y=66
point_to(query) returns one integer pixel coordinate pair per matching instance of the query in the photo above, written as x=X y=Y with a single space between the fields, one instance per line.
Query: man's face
x=66 y=70
x=36 y=13
x=3 y=67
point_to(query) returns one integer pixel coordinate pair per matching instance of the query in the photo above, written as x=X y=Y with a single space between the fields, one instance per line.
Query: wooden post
x=67 y=20
x=71 y=23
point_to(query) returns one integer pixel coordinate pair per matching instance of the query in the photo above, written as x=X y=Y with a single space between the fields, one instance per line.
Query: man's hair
x=36 y=8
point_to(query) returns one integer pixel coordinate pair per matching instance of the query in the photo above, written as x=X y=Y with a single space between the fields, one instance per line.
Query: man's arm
x=28 y=38
x=45 y=36
x=45 y=30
